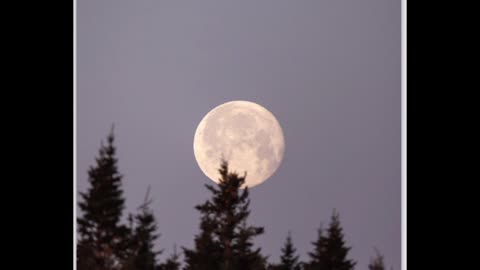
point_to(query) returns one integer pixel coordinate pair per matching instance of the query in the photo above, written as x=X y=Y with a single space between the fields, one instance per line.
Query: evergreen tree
x=144 y=236
x=207 y=254
x=245 y=257
x=330 y=251
x=129 y=262
x=317 y=256
x=336 y=249
x=288 y=259
x=85 y=258
x=102 y=238
x=224 y=242
x=172 y=263
x=377 y=263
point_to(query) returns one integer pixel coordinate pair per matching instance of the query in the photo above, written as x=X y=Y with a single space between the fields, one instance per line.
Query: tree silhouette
x=377 y=262
x=245 y=257
x=172 y=263
x=224 y=242
x=85 y=256
x=288 y=260
x=142 y=253
x=317 y=256
x=207 y=254
x=330 y=252
x=102 y=238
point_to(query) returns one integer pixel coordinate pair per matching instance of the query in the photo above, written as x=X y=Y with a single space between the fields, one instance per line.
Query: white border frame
x=74 y=134
x=404 y=136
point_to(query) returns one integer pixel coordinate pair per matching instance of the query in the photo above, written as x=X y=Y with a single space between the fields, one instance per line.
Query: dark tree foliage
x=142 y=253
x=288 y=260
x=330 y=251
x=317 y=256
x=245 y=256
x=207 y=254
x=102 y=239
x=85 y=257
x=172 y=263
x=377 y=262
x=225 y=240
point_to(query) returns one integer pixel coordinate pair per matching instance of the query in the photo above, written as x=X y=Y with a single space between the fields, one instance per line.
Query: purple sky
x=328 y=70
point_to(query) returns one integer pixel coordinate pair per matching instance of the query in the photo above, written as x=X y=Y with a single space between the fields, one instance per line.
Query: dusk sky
x=330 y=72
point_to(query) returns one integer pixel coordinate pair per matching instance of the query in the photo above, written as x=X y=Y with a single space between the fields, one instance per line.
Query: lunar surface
x=246 y=135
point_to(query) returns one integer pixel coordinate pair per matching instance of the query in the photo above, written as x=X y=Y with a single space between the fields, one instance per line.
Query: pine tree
x=377 y=262
x=224 y=232
x=102 y=238
x=288 y=259
x=245 y=257
x=317 y=256
x=144 y=236
x=336 y=250
x=207 y=254
x=330 y=251
x=85 y=258
x=172 y=263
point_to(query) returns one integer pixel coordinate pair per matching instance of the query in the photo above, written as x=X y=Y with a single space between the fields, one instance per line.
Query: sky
x=330 y=71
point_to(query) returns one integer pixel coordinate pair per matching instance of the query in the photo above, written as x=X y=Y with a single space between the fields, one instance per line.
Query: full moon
x=246 y=135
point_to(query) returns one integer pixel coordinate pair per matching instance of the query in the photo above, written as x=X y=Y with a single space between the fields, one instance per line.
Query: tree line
x=224 y=241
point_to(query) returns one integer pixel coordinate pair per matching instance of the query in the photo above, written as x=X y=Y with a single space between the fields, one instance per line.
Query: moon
x=246 y=135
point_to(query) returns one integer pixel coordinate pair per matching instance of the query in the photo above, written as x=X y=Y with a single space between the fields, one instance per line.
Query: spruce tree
x=144 y=236
x=102 y=238
x=288 y=259
x=85 y=256
x=207 y=254
x=336 y=250
x=330 y=251
x=317 y=256
x=246 y=257
x=377 y=262
x=172 y=263
x=225 y=238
